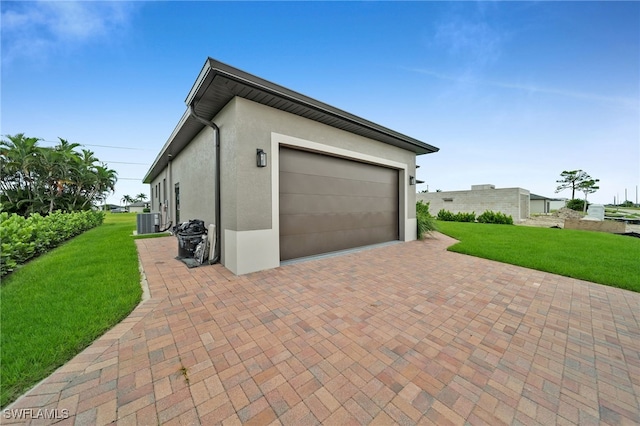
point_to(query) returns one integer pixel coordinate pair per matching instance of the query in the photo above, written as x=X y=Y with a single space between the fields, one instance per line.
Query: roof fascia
x=162 y=159
x=213 y=68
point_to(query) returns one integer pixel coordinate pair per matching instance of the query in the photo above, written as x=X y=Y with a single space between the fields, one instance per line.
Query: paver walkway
x=407 y=333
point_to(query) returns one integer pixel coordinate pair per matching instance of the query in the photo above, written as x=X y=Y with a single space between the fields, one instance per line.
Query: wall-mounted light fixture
x=412 y=180
x=261 y=158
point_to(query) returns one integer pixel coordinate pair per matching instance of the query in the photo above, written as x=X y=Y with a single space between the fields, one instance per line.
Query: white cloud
x=532 y=88
x=476 y=43
x=40 y=28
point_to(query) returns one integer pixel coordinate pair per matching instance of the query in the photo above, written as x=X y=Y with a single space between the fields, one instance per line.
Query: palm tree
x=41 y=179
x=54 y=167
x=18 y=157
x=141 y=197
x=103 y=182
x=127 y=199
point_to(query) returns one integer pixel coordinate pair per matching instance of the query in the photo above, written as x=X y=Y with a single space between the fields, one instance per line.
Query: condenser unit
x=148 y=223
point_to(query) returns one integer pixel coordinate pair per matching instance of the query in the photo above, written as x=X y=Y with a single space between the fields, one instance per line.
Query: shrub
x=576 y=204
x=25 y=238
x=426 y=222
x=495 y=217
x=422 y=208
x=465 y=217
x=446 y=216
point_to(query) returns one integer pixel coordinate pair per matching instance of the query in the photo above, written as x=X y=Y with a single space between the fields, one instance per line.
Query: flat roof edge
x=216 y=67
x=162 y=155
x=213 y=67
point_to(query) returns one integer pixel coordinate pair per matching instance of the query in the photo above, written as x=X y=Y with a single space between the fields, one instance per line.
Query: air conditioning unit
x=148 y=223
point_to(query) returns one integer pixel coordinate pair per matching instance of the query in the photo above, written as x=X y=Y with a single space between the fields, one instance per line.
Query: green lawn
x=592 y=256
x=56 y=305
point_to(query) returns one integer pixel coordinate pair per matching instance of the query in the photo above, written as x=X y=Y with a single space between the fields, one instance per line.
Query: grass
x=592 y=256
x=56 y=305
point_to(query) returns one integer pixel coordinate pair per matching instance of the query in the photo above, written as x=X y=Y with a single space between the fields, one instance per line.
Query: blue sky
x=512 y=93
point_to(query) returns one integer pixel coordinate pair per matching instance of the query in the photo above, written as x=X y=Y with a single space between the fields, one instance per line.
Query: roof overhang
x=218 y=83
x=542 y=197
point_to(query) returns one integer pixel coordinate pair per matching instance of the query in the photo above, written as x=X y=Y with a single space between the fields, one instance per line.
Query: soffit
x=218 y=83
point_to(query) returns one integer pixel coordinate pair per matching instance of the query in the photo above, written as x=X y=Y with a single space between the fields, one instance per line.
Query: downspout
x=170 y=195
x=216 y=136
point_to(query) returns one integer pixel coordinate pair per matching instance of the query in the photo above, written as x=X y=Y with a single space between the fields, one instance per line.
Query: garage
x=329 y=203
x=277 y=175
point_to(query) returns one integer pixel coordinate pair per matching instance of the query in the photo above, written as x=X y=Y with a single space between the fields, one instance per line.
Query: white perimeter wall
x=510 y=201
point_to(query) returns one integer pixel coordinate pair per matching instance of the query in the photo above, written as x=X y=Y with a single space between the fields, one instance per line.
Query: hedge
x=447 y=216
x=486 y=217
x=495 y=217
x=25 y=238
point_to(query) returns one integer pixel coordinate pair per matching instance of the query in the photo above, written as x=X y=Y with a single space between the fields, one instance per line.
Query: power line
x=124 y=162
x=101 y=146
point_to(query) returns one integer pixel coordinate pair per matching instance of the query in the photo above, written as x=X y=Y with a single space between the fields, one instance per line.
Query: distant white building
x=138 y=207
x=515 y=202
x=557 y=203
x=542 y=205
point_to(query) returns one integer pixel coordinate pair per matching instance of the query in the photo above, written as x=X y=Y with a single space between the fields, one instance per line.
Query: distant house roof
x=218 y=83
x=139 y=204
x=542 y=197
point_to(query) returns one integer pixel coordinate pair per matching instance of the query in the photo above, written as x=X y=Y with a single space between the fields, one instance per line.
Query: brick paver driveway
x=407 y=333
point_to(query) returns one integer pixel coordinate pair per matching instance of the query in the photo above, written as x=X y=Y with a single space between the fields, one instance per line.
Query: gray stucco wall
x=255 y=123
x=249 y=236
x=511 y=201
x=246 y=189
x=193 y=170
x=158 y=198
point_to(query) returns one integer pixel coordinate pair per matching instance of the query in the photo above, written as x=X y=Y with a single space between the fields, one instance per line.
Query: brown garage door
x=329 y=203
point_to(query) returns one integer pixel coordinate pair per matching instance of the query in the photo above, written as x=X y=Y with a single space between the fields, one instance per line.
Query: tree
x=105 y=182
x=141 y=197
x=588 y=187
x=18 y=156
x=39 y=179
x=127 y=199
x=571 y=179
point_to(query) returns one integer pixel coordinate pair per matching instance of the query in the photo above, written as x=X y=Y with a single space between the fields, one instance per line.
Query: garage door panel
x=323 y=165
x=314 y=204
x=295 y=246
x=329 y=204
x=302 y=224
x=293 y=183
